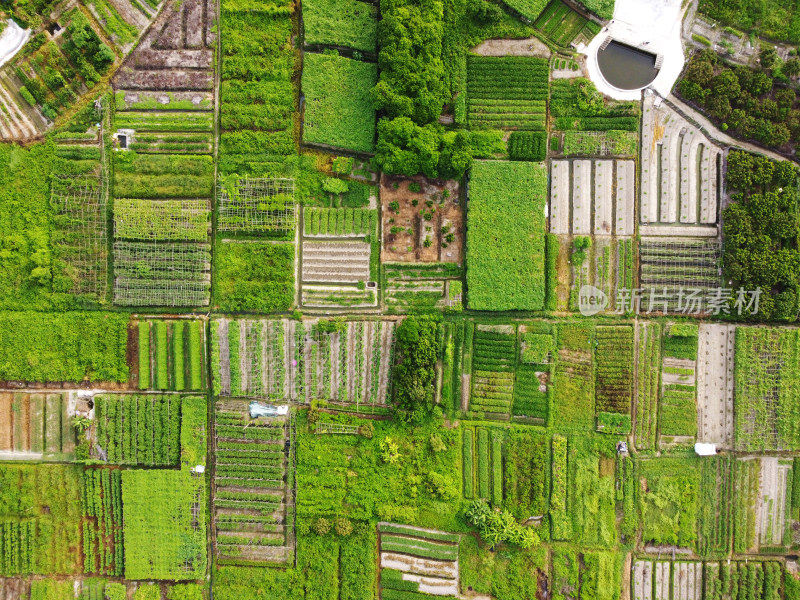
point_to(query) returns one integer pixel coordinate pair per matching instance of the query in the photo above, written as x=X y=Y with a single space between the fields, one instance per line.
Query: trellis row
x=291 y=360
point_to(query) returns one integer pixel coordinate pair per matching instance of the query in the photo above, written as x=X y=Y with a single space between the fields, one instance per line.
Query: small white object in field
x=702 y=449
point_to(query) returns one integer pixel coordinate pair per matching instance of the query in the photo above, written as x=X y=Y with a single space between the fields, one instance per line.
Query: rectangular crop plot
x=716 y=506
x=418 y=561
x=171 y=355
x=508 y=92
x=766 y=392
x=715 y=377
x=505 y=238
x=139 y=430
x=493 y=364
x=252 y=513
x=336 y=262
x=36 y=423
x=596 y=199
x=185 y=219
x=771 y=523
x=348 y=23
x=559 y=197
x=614 y=372
x=581 y=197
x=688 y=263
x=162 y=273
x=282 y=360
x=338 y=109
x=170 y=507
x=162 y=175
x=257 y=205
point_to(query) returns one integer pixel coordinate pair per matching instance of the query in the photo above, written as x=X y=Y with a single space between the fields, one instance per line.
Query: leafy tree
x=415 y=370
x=412 y=74
x=497 y=526
x=791 y=68
x=760 y=230
x=768 y=56
x=407 y=148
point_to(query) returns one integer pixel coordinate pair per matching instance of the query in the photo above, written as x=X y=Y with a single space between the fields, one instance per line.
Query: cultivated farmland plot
x=253 y=496
x=715 y=377
x=423 y=556
x=79 y=196
x=508 y=92
x=643 y=580
x=176 y=54
x=766 y=396
x=679 y=173
x=289 y=360
x=335 y=262
x=771 y=519
x=493 y=365
x=648 y=365
x=664 y=580
x=36 y=426
x=601 y=200
x=667 y=265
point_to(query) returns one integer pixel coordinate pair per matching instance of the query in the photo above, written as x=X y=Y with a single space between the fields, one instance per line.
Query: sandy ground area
x=527 y=47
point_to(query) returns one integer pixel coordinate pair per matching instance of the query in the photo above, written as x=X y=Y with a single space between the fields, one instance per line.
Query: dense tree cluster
x=415 y=372
x=761 y=230
x=743 y=99
x=414 y=88
x=410 y=60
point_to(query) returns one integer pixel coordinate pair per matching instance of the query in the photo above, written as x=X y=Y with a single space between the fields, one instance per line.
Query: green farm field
x=292 y=306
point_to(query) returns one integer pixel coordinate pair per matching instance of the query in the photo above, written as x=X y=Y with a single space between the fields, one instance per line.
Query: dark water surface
x=625 y=67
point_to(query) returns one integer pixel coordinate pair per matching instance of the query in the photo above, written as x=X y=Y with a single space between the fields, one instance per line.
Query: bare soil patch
x=526 y=47
x=424 y=226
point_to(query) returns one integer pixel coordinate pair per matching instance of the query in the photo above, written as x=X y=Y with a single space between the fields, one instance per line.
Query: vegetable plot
x=171 y=355
x=338 y=110
x=505 y=236
x=507 y=92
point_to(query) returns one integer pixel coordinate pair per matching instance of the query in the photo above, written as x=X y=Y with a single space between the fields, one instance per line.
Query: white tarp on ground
x=653 y=26
x=702 y=449
x=12 y=40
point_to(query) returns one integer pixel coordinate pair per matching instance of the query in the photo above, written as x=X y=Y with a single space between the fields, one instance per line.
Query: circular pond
x=625 y=67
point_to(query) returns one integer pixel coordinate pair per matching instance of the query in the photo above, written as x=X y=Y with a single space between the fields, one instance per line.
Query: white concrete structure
x=12 y=40
x=650 y=25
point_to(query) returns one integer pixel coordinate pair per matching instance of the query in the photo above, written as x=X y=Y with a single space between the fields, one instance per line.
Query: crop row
x=139 y=429
x=562 y=528
x=171 y=355
x=418 y=547
x=168 y=122
x=649 y=369
x=101 y=495
x=614 y=371
x=339 y=221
